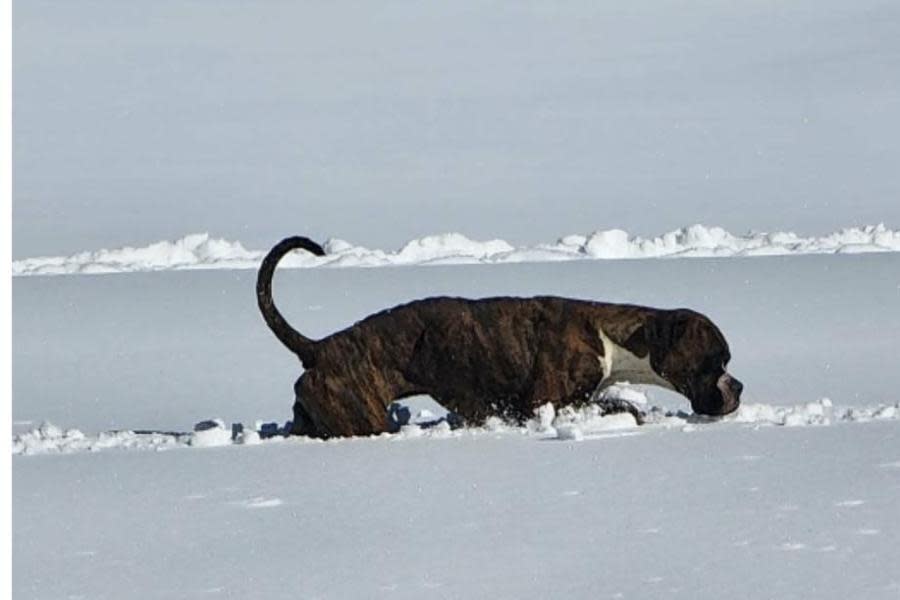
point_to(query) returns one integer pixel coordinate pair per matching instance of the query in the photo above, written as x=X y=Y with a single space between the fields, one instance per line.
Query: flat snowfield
x=720 y=512
x=795 y=496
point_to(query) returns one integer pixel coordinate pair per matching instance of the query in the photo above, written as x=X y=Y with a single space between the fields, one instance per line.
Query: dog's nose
x=736 y=386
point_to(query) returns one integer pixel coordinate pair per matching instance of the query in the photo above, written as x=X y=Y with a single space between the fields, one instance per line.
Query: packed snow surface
x=201 y=251
x=709 y=513
x=792 y=496
x=565 y=424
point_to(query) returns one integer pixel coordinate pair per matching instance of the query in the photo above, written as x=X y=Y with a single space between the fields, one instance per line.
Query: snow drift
x=568 y=424
x=201 y=251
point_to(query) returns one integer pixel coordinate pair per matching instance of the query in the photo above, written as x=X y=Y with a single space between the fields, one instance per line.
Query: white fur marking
x=621 y=366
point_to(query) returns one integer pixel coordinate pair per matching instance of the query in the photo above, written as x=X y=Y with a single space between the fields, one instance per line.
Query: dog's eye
x=713 y=364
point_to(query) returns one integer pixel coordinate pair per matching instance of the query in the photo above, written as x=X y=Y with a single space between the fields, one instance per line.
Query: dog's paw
x=612 y=406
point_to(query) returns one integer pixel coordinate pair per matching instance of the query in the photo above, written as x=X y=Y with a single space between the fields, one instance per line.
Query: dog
x=497 y=356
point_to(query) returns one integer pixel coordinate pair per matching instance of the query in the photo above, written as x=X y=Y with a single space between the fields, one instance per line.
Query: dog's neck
x=621 y=366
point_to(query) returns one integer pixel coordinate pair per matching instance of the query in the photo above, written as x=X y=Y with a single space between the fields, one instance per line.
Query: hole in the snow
x=421 y=410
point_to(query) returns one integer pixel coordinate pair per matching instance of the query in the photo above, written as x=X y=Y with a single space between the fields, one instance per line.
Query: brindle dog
x=496 y=356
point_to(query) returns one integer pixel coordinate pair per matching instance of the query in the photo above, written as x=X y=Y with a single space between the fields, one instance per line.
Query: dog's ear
x=663 y=330
x=667 y=327
x=636 y=340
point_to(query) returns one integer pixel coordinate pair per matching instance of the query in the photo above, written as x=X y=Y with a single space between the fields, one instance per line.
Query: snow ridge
x=567 y=424
x=201 y=251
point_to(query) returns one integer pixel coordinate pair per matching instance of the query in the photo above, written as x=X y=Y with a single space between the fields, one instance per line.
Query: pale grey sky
x=381 y=122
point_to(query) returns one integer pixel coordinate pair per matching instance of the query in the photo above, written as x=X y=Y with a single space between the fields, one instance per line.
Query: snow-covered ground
x=793 y=496
x=717 y=512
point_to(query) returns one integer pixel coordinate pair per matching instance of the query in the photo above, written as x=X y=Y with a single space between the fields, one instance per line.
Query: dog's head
x=689 y=351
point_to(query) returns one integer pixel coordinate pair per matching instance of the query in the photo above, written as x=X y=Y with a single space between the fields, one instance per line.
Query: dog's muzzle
x=731 y=390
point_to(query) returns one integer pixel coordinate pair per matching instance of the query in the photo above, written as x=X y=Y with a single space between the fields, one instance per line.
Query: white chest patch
x=621 y=366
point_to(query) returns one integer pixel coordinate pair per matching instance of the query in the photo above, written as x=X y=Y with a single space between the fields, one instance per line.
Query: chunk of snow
x=410 y=431
x=625 y=392
x=545 y=415
x=210 y=433
x=569 y=432
x=249 y=437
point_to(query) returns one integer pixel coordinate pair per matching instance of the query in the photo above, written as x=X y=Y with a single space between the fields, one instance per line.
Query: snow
x=49 y=438
x=201 y=251
x=114 y=488
x=567 y=424
x=662 y=514
x=210 y=433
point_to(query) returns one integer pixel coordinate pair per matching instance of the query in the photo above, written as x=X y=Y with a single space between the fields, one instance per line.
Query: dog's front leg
x=612 y=405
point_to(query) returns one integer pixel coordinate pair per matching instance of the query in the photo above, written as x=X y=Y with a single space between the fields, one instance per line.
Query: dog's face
x=689 y=351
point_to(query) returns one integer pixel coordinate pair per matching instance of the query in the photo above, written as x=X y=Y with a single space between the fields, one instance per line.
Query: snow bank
x=200 y=251
x=813 y=413
x=49 y=438
x=195 y=251
x=566 y=424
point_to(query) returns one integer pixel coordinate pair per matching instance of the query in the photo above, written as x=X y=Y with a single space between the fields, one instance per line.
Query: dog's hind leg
x=303 y=423
x=329 y=405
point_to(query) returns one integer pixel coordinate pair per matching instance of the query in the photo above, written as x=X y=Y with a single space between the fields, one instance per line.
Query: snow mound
x=578 y=424
x=201 y=251
x=195 y=251
x=574 y=424
x=822 y=412
x=568 y=423
x=49 y=438
x=211 y=433
x=624 y=392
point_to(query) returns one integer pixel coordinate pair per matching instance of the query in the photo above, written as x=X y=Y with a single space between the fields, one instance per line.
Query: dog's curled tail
x=296 y=342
